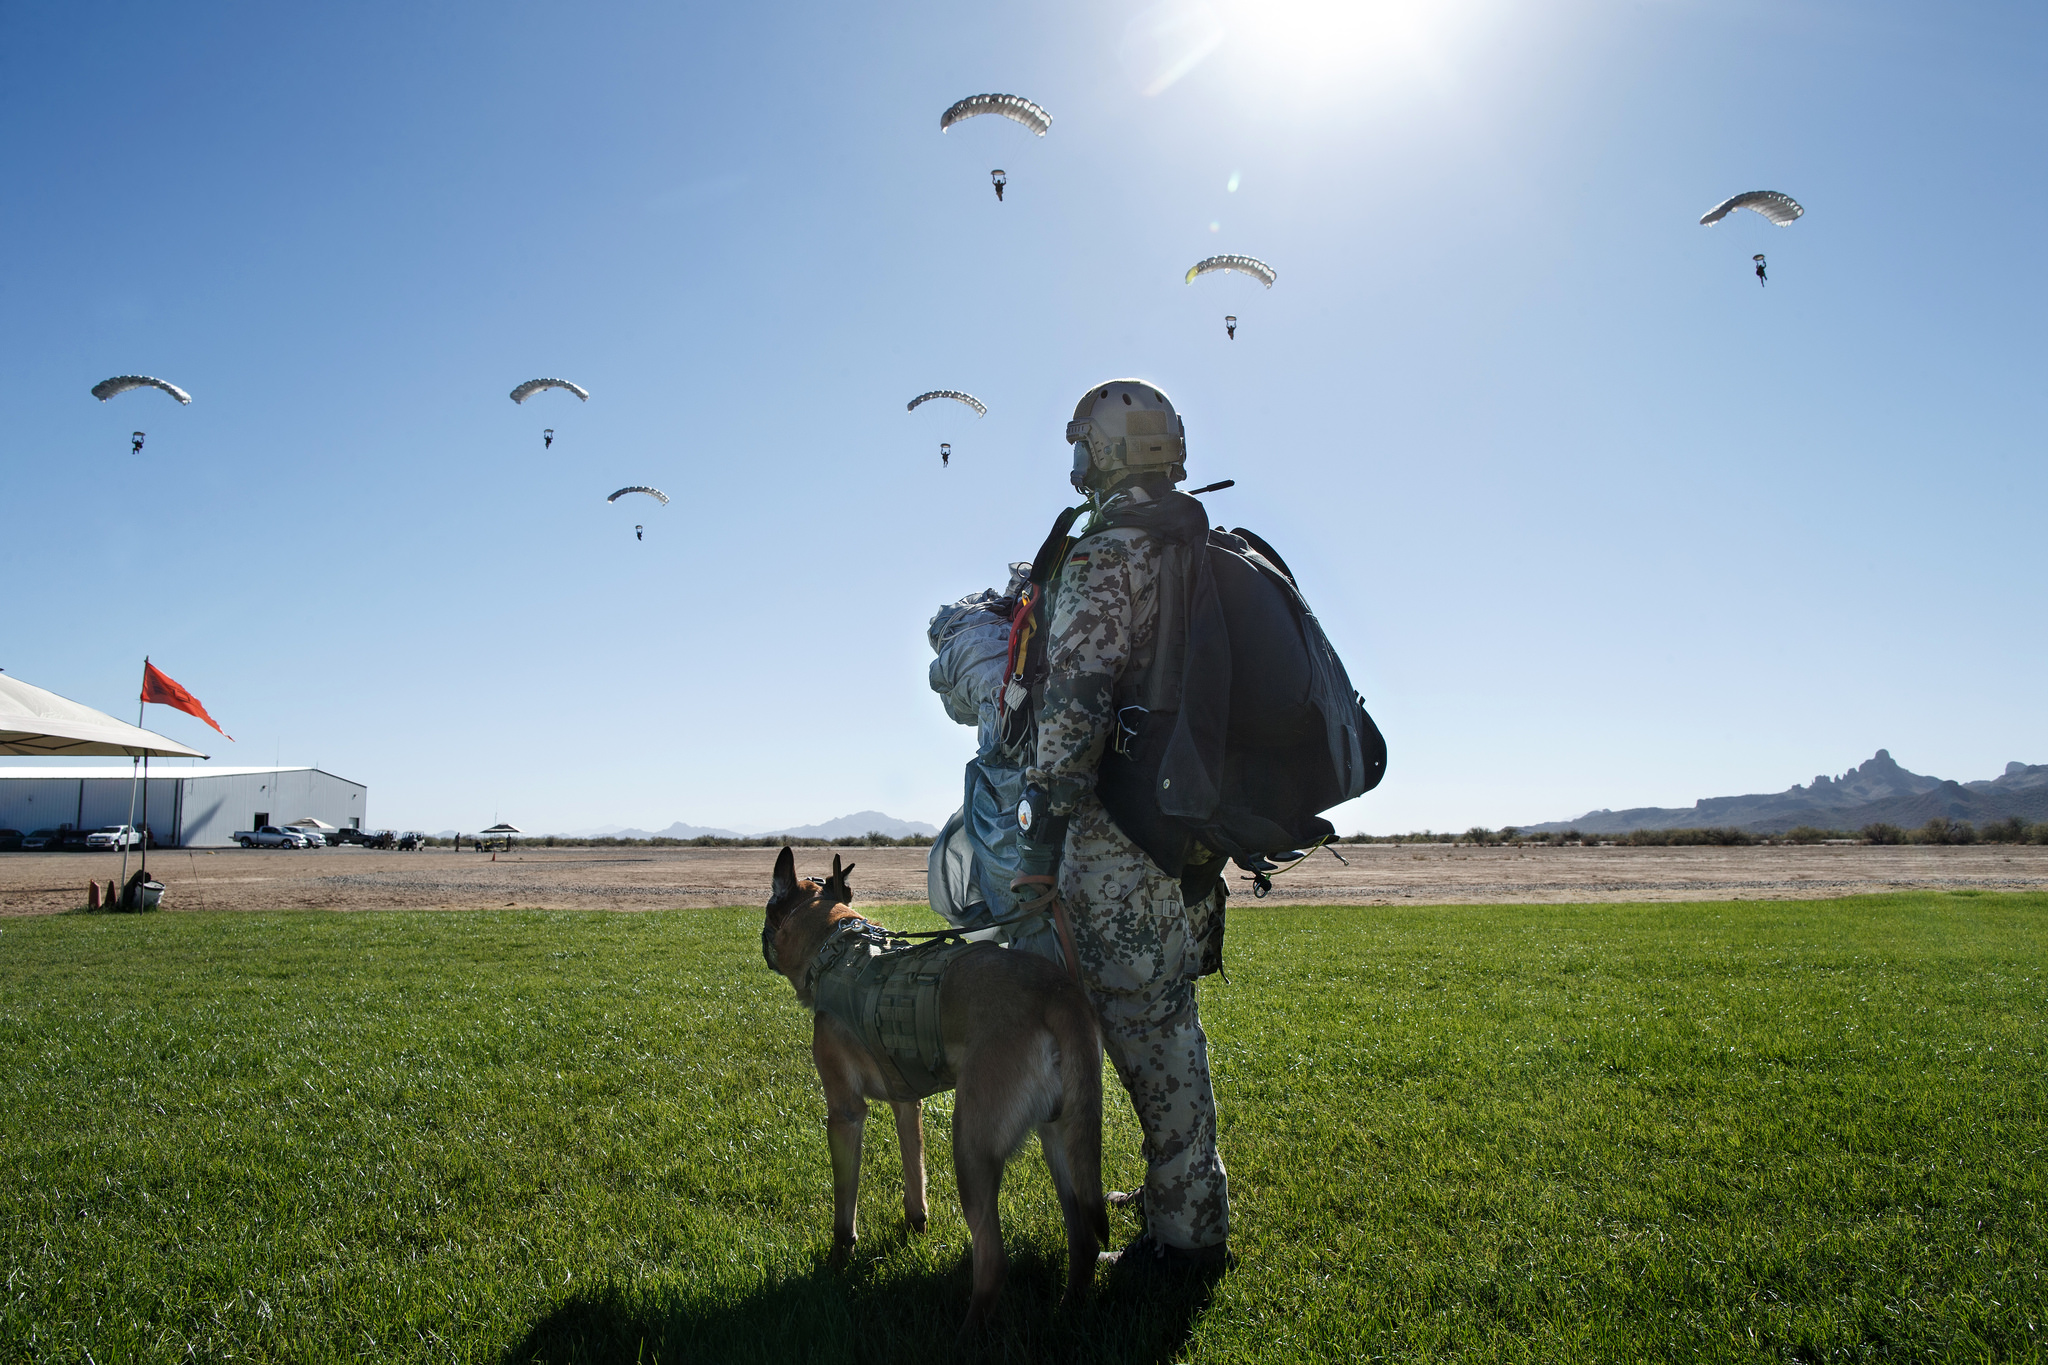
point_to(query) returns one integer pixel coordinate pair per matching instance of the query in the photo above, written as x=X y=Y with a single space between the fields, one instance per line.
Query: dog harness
x=887 y=992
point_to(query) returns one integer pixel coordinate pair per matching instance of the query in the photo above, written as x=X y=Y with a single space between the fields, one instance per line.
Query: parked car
x=43 y=839
x=117 y=836
x=270 y=836
x=10 y=840
x=412 y=841
x=313 y=837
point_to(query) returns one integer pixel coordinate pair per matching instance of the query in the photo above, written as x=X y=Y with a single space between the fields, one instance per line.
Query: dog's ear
x=836 y=890
x=785 y=878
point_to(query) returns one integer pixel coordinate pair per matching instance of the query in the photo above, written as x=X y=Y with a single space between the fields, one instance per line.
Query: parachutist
x=1762 y=280
x=1230 y=326
x=637 y=533
x=945 y=455
x=999 y=179
x=547 y=439
x=135 y=443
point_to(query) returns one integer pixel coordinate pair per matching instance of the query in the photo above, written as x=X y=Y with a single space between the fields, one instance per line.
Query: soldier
x=1139 y=944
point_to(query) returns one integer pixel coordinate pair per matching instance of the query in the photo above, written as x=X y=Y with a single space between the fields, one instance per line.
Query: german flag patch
x=1078 y=560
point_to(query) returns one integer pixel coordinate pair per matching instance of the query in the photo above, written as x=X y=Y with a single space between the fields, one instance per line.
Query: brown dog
x=1018 y=1034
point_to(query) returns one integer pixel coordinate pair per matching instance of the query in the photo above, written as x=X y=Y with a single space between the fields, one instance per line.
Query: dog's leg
x=910 y=1138
x=846 y=1116
x=979 y=1151
x=1072 y=1142
x=1063 y=1141
x=844 y=1123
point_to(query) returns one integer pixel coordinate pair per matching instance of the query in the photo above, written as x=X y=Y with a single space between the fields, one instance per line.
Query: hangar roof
x=161 y=769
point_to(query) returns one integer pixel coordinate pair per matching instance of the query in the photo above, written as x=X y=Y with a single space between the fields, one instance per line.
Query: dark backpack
x=1238 y=727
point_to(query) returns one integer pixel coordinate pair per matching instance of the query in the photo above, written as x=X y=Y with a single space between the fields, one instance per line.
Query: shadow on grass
x=867 y=1313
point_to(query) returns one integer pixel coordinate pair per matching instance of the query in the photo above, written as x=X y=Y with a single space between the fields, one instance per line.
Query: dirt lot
x=608 y=879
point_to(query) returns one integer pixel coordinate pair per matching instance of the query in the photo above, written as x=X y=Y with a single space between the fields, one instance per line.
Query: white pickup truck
x=114 y=836
x=270 y=836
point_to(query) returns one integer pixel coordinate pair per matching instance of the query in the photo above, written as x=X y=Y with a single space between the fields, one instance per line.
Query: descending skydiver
x=945 y=455
x=547 y=439
x=636 y=533
x=1230 y=326
x=135 y=443
x=999 y=179
x=1762 y=279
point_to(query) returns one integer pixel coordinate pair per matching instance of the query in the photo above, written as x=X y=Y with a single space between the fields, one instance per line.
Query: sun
x=1295 y=48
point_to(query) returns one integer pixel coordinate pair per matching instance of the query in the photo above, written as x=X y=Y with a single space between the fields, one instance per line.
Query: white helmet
x=1123 y=427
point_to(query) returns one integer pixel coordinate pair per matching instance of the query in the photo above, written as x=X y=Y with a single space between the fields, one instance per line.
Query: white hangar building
x=196 y=806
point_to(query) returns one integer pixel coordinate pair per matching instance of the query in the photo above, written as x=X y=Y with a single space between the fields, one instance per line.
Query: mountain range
x=1878 y=791
x=846 y=826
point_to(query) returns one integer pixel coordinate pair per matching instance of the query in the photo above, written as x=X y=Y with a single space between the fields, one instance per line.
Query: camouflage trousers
x=1140 y=949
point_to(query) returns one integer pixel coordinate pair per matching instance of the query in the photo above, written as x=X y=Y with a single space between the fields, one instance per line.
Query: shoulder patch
x=1078 y=560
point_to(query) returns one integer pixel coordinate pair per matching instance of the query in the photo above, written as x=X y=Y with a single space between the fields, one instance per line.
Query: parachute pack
x=1238 y=726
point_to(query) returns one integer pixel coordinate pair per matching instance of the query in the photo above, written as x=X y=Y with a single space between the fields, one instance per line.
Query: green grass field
x=1810 y=1131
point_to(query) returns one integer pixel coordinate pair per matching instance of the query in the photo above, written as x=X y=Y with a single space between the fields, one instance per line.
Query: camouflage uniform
x=1139 y=945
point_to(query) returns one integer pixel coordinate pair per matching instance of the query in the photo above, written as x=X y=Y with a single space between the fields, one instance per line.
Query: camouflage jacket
x=1104 y=614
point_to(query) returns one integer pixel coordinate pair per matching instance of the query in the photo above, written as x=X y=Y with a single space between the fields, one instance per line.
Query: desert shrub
x=1942 y=830
x=1807 y=834
x=1683 y=838
x=1882 y=833
x=708 y=841
x=2011 y=830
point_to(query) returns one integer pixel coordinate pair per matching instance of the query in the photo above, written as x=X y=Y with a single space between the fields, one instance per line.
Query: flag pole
x=134 y=772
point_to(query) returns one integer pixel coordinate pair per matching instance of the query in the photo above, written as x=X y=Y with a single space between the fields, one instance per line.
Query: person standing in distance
x=1139 y=944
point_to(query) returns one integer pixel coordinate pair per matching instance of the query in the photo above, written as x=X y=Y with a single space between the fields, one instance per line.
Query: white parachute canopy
x=640 y=488
x=980 y=408
x=1781 y=209
x=1243 y=265
x=121 y=383
x=534 y=386
x=1013 y=107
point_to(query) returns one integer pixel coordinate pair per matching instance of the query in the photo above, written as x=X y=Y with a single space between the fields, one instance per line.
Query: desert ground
x=651 y=879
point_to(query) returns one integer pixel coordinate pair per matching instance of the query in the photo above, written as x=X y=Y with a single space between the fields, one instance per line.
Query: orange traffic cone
x=92 y=895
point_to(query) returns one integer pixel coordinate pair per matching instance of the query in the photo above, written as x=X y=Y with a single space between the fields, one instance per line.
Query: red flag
x=160 y=689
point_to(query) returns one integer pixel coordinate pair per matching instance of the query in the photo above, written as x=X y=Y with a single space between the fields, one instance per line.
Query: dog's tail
x=1074 y=1026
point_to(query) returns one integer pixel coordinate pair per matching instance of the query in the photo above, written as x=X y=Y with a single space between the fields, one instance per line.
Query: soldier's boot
x=1145 y=1255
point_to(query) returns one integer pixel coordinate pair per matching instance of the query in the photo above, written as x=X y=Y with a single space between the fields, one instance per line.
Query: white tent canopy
x=502 y=829
x=33 y=721
x=312 y=822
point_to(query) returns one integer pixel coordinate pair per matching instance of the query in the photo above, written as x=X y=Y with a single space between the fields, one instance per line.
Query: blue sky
x=1593 y=519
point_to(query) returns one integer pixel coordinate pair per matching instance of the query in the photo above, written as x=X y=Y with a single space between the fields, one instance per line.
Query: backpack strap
x=1024 y=670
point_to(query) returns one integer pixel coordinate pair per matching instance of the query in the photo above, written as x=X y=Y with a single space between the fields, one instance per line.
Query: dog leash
x=1059 y=915
x=1030 y=909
